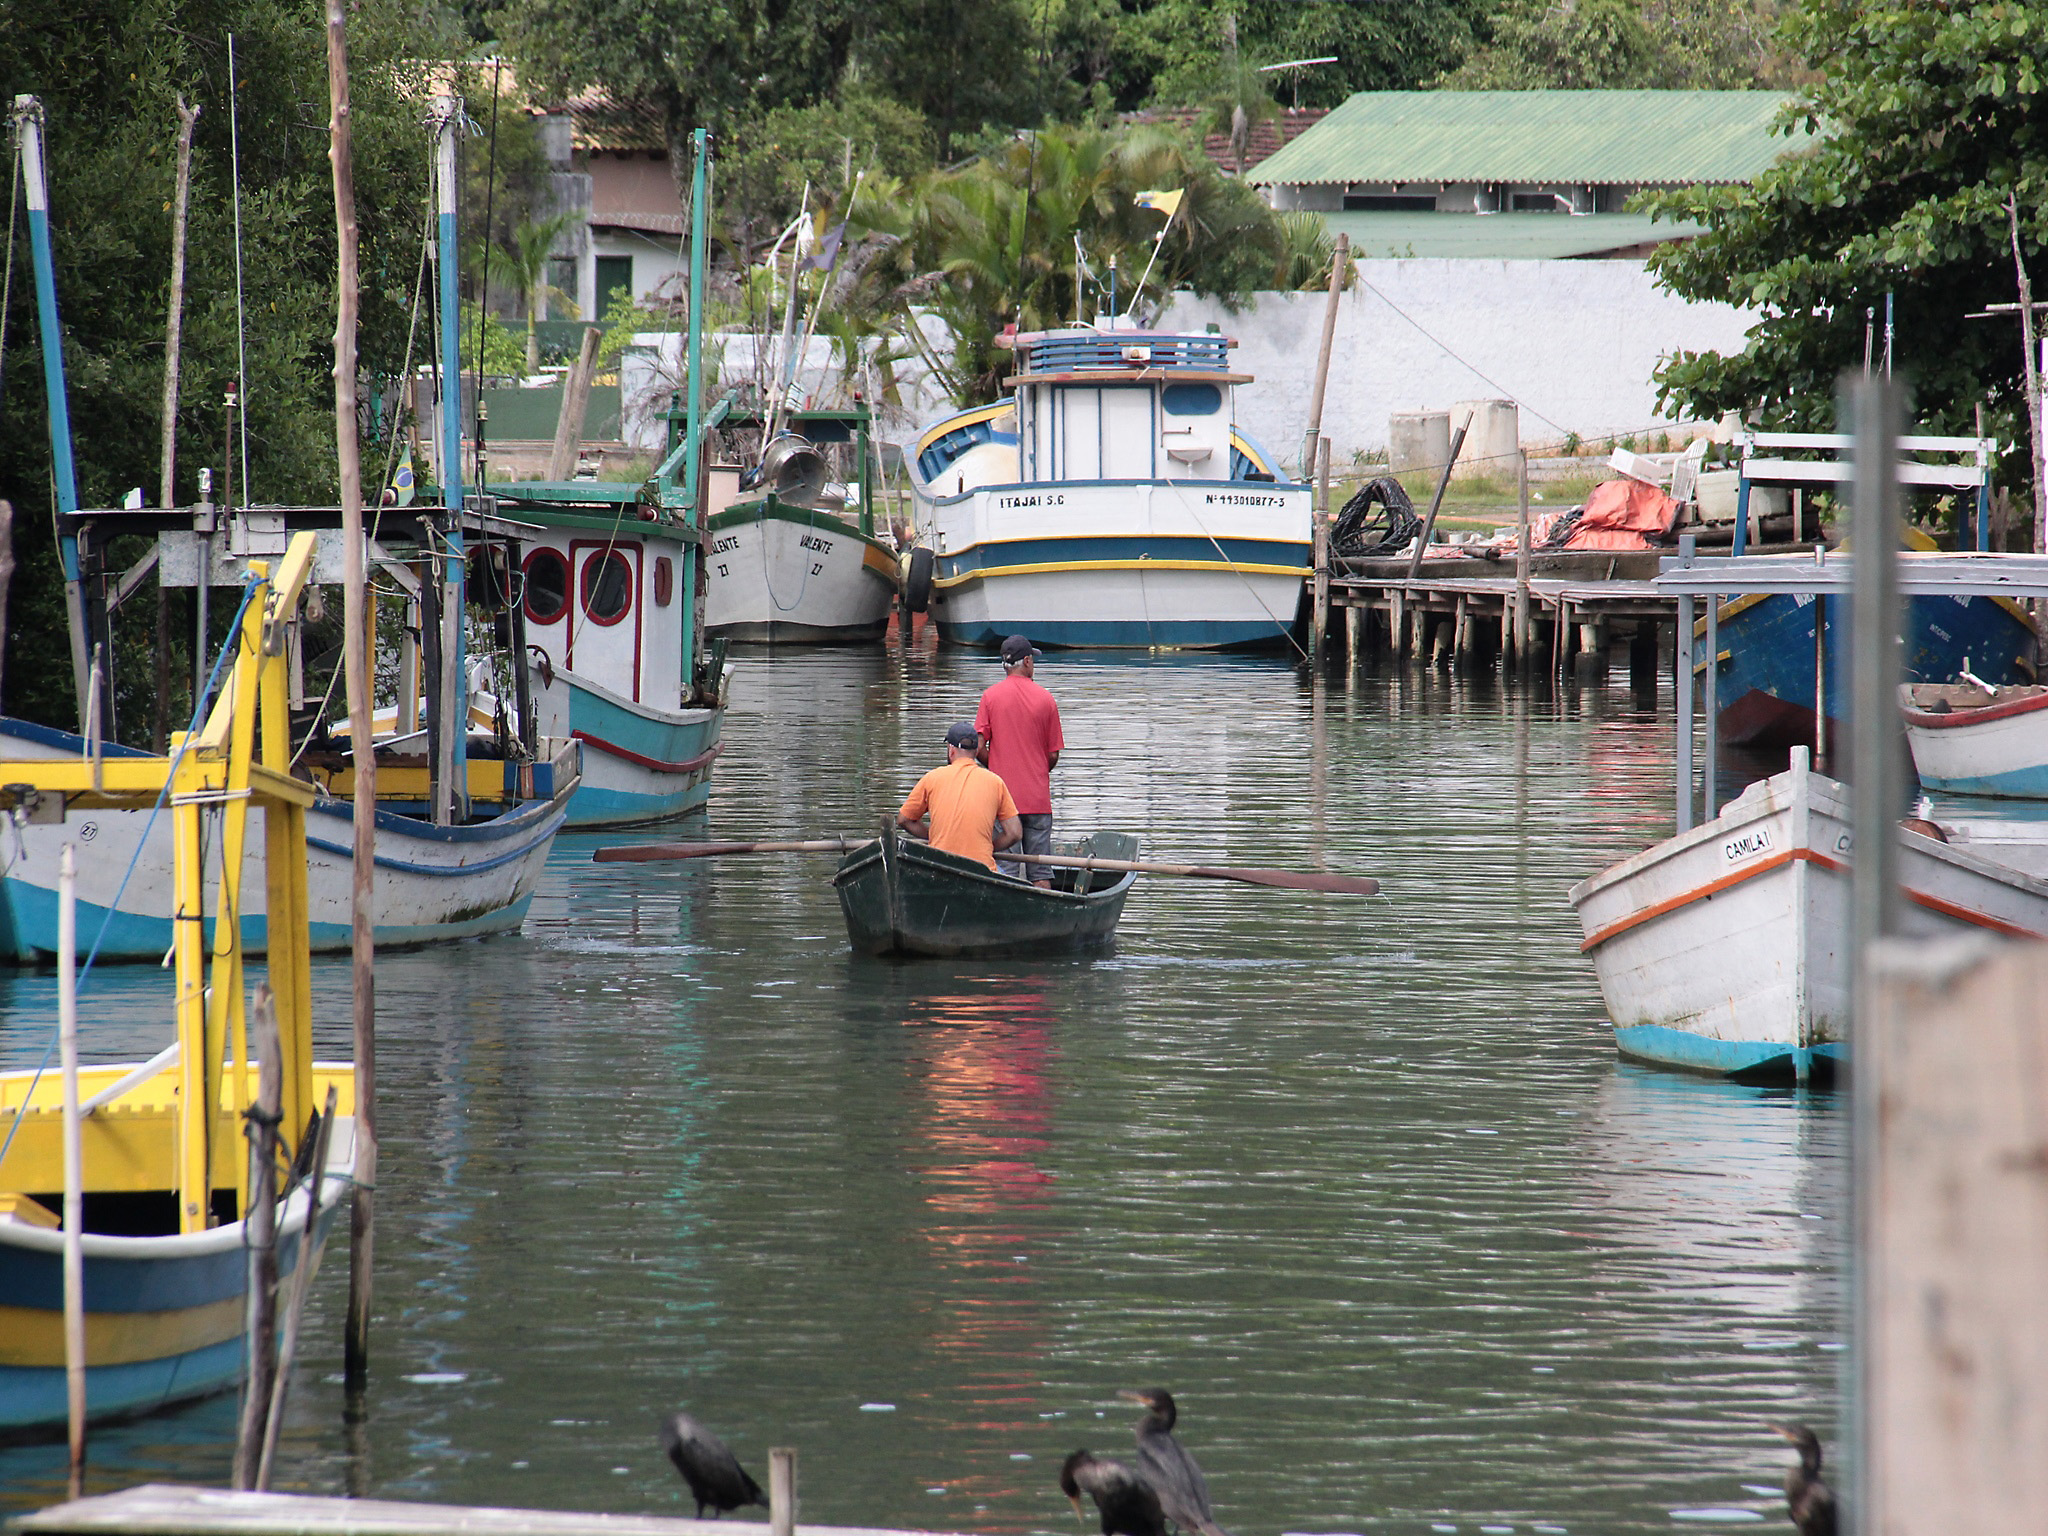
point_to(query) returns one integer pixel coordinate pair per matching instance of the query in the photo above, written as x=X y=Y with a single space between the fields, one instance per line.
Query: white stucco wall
x=1573 y=342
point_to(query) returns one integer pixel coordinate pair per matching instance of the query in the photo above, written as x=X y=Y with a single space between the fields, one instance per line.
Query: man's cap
x=965 y=735
x=1016 y=648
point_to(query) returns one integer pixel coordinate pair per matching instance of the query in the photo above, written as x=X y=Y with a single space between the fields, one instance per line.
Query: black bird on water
x=708 y=1466
x=1810 y=1499
x=1164 y=1463
x=1126 y=1502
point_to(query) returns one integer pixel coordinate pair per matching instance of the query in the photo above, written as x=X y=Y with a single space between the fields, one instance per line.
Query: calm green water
x=1361 y=1182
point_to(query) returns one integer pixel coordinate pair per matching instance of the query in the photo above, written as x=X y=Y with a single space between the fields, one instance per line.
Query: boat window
x=664 y=580
x=607 y=586
x=1191 y=399
x=547 y=586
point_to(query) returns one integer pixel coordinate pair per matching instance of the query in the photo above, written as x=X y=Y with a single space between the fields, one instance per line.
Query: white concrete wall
x=1572 y=342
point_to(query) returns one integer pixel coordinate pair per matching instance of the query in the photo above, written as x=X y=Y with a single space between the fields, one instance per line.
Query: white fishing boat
x=1979 y=739
x=1110 y=501
x=1723 y=949
x=792 y=562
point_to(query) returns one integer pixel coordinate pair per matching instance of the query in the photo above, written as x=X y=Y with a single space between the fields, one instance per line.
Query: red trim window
x=547 y=586
x=664 y=580
x=607 y=587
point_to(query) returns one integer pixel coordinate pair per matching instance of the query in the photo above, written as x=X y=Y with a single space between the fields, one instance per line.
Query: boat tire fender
x=917 y=580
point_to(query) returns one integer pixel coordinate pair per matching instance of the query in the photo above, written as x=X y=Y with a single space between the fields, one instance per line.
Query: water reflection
x=1361 y=1182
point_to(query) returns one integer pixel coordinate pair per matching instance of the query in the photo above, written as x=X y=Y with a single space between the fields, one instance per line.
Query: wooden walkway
x=163 y=1509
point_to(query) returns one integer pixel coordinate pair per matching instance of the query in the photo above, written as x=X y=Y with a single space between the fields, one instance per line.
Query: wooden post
x=1461 y=635
x=1523 y=634
x=167 y=460
x=575 y=407
x=308 y=1265
x=355 y=658
x=1954 y=1353
x=1320 y=628
x=74 y=1165
x=261 y=1219
x=782 y=1459
x=1354 y=635
x=1311 y=448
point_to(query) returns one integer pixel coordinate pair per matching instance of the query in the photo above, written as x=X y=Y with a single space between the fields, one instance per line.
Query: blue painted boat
x=1765 y=682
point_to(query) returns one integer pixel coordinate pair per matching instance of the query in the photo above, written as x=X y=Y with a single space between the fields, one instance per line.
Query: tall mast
x=451 y=690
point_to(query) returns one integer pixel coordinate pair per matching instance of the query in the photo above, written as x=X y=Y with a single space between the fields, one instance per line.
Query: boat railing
x=1121 y=350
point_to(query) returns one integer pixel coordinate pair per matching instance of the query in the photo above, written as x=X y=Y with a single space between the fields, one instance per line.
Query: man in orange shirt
x=969 y=809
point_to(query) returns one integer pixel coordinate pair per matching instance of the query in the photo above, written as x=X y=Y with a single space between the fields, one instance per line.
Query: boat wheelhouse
x=1110 y=500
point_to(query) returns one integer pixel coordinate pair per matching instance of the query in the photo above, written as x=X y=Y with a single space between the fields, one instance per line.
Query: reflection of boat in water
x=902 y=897
x=1722 y=949
x=1110 y=501
x=1968 y=739
x=167 y=1191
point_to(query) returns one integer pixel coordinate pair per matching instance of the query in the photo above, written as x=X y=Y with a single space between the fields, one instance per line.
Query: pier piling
x=781 y=1490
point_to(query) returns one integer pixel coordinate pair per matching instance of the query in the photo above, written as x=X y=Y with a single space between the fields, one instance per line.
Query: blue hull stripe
x=35 y=1395
x=593 y=807
x=1057 y=551
x=2019 y=784
x=445 y=871
x=1696 y=1053
x=31 y=1278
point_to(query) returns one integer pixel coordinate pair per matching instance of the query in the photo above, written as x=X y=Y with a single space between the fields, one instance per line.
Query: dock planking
x=167 y=1509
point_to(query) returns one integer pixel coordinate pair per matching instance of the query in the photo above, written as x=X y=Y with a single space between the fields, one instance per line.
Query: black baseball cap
x=963 y=735
x=1016 y=648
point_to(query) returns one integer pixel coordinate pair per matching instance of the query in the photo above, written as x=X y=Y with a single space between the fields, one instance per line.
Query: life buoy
x=917 y=580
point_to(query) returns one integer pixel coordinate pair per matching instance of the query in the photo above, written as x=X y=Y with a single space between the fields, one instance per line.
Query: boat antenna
x=241 y=314
x=483 y=302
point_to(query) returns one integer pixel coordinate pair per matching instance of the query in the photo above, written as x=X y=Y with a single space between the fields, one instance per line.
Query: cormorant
x=1165 y=1464
x=1810 y=1499
x=1127 y=1503
x=708 y=1466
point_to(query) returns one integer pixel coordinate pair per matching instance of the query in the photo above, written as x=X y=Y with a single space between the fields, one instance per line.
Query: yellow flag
x=1167 y=203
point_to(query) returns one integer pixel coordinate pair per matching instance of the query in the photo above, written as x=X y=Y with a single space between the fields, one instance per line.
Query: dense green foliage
x=109 y=73
x=1931 y=117
x=1628 y=44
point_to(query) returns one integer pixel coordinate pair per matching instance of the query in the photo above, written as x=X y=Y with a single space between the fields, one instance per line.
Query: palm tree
x=1240 y=101
x=525 y=266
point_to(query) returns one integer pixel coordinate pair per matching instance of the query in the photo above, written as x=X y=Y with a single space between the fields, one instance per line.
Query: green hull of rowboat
x=903 y=897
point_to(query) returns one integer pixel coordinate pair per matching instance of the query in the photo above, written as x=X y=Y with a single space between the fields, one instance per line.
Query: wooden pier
x=1472 y=612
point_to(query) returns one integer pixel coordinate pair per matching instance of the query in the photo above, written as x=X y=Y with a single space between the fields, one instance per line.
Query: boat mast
x=28 y=123
x=451 y=693
x=693 y=403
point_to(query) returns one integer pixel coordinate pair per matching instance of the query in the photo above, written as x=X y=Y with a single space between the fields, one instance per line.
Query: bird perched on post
x=708 y=1466
x=1810 y=1499
x=1127 y=1503
x=1164 y=1463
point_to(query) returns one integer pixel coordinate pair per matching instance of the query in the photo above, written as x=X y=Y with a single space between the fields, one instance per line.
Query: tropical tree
x=524 y=264
x=1931 y=156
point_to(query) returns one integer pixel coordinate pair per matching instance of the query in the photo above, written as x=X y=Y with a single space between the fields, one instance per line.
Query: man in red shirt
x=1021 y=724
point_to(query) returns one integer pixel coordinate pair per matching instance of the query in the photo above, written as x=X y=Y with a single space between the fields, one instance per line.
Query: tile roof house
x=1549 y=172
x=1265 y=140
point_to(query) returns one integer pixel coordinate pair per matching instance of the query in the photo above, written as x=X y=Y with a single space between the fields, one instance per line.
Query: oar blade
x=1294 y=880
x=657 y=853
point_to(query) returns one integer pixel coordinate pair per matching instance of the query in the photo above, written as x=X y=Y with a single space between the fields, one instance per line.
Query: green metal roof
x=1501 y=236
x=1588 y=137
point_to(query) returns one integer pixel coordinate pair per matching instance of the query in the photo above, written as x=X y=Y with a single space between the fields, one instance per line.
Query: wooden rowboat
x=903 y=897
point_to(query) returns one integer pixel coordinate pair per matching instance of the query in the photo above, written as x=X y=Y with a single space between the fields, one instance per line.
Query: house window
x=613 y=274
x=607 y=587
x=562 y=279
x=1388 y=202
x=547 y=586
x=1539 y=202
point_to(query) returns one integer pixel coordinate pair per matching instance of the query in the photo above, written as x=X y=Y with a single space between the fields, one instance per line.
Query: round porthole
x=664 y=580
x=607 y=587
x=547 y=586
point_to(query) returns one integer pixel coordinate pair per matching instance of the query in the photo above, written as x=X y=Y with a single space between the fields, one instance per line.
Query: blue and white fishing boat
x=166 y=1190
x=1109 y=500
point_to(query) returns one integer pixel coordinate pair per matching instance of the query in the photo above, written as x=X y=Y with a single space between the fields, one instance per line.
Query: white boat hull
x=786 y=575
x=1724 y=949
x=1998 y=748
x=1151 y=564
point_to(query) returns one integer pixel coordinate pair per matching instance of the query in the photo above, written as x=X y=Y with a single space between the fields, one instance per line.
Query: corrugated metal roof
x=1589 y=137
x=1501 y=236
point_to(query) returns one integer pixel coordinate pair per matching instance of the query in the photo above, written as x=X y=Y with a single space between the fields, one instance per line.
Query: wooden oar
x=1284 y=879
